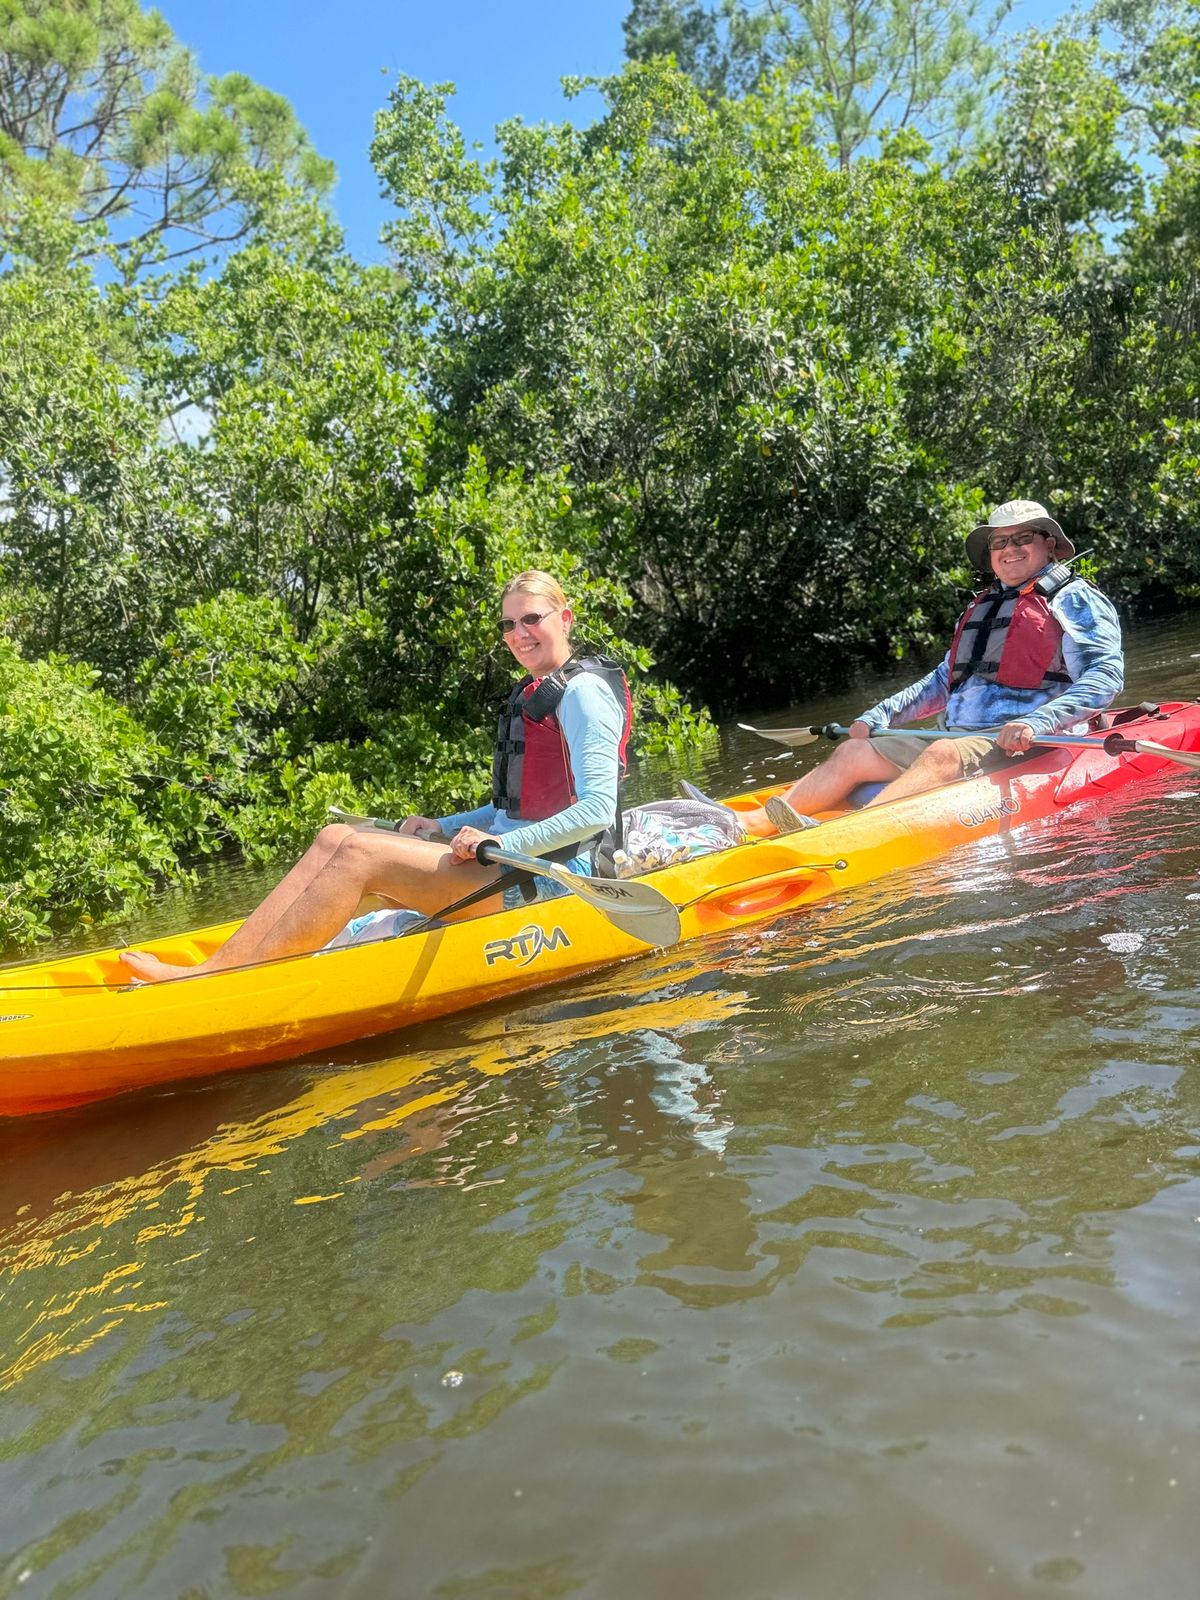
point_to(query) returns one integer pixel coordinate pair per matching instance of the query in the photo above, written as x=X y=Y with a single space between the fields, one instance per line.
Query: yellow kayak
x=74 y=1029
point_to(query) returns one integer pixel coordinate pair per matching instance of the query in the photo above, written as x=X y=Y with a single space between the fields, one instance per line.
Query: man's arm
x=1093 y=656
x=921 y=699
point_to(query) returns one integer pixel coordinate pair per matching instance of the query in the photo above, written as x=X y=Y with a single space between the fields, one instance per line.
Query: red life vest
x=1011 y=637
x=531 y=769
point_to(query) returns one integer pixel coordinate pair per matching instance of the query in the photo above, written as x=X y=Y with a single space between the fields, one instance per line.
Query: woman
x=559 y=758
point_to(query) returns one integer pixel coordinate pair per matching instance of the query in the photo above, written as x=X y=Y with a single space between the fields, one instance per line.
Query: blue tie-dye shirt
x=1091 y=651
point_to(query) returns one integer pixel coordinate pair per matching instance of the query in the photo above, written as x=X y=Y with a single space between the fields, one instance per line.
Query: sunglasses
x=529 y=620
x=1025 y=536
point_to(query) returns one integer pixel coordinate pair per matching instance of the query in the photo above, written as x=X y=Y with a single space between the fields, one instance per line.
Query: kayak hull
x=73 y=1029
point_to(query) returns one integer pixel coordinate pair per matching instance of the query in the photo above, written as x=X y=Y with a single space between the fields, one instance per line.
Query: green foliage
x=100 y=536
x=1060 y=132
x=424 y=169
x=719 y=334
x=1097 y=113
x=783 y=391
x=222 y=493
x=77 y=839
x=720 y=48
x=216 y=696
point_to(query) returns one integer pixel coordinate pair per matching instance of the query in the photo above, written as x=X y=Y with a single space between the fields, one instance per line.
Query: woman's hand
x=419 y=827
x=467 y=840
x=860 y=729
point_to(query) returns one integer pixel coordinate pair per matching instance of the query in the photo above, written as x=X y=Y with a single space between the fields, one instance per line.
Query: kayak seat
x=863 y=793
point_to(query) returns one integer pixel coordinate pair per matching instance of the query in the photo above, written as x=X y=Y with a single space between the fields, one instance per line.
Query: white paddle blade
x=792 y=737
x=336 y=814
x=636 y=908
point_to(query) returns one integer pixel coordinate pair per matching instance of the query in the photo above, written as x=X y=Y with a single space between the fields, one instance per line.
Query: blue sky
x=505 y=56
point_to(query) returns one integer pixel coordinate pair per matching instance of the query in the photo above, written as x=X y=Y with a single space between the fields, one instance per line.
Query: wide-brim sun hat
x=1016 y=514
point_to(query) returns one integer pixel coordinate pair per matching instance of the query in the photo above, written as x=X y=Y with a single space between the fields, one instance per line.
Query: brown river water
x=851 y=1256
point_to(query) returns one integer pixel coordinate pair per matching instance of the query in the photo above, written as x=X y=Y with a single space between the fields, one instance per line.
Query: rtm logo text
x=525 y=946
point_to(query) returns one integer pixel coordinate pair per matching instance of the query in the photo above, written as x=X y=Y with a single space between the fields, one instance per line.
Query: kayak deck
x=75 y=1028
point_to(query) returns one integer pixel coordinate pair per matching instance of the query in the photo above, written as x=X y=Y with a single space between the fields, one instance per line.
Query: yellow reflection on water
x=419 y=1086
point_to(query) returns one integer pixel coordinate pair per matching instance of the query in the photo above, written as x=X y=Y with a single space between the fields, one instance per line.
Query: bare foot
x=151 y=970
x=757 y=824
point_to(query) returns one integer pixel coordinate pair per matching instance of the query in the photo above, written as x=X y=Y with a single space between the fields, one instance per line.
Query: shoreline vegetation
x=740 y=363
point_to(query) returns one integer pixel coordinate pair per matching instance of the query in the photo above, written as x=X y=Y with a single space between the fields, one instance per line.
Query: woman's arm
x=482 y=817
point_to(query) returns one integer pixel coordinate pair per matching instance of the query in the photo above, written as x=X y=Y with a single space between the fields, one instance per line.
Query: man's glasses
x=1025 y=536
x=529 y=620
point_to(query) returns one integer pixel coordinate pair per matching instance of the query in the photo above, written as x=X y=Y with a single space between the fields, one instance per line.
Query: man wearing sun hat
x=1036 y=652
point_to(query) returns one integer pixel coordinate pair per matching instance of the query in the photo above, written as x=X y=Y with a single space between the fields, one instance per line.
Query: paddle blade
x=792 y=737
x=378 y=824
x=336 y=814
x=636 y=908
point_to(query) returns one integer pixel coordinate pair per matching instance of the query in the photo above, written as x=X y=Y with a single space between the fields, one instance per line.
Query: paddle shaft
x=1113 y=744
x=473 y=899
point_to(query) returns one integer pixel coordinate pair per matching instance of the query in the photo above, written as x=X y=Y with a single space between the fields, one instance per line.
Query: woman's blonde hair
x=535 y=582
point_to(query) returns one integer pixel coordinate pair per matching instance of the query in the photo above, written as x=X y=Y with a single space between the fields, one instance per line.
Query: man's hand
x=860 y=729
x=1015 y=737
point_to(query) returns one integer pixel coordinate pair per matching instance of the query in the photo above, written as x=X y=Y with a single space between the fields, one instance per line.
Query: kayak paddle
x=636 y=908
x=383 y=824
x=792 y=737
x=1113 y=744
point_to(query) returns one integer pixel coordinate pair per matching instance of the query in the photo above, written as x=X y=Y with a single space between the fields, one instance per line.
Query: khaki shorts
x=902 y=749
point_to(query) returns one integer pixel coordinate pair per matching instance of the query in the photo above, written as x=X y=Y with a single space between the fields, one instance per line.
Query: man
x=1035 y=652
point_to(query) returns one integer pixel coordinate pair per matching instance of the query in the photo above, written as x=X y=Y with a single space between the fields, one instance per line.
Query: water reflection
x=233 y=1123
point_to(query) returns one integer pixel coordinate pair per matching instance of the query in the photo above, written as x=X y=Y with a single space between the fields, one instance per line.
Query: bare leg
x=323 y=891
x=941 y=763
x=828 y=785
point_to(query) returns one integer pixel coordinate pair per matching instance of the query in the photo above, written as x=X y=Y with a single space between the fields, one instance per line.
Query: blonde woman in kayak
x=1035 y=653
x=560 y=754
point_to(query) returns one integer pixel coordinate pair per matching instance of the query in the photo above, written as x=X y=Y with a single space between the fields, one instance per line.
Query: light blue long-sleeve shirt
x=592 y=723
x=1092 y=656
